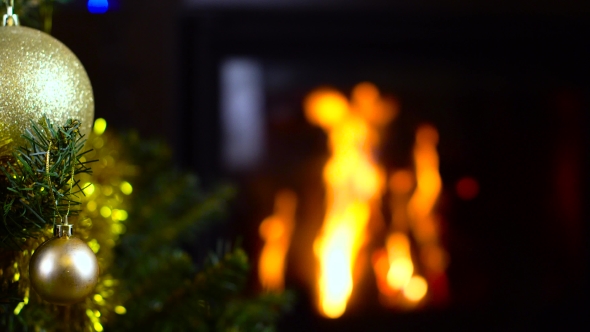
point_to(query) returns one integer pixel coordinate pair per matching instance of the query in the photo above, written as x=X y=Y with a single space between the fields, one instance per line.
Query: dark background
x=505 y=82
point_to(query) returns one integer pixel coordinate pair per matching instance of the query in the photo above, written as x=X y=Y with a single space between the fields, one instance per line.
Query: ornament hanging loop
x=10 y=18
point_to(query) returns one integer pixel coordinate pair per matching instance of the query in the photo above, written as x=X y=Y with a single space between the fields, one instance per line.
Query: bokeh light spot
x=100 y=125
x=18 y=308
x=416 y=289
x=94 y=245
x=126 y=188
x=107 y=190
x=98 y=6
x=118 y=228
x=105 y=211
x=88 y=189
x=91 y=206
x=119 y=215
x=467 y=188
x=98 y=327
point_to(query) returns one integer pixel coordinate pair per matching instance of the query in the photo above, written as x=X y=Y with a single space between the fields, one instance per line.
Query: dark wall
x=506 y=83
x=507 y=90
x=130 y=54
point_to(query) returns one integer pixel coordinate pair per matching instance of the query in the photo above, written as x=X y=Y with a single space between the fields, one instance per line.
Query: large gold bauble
x=39 y=75
x=63 y=270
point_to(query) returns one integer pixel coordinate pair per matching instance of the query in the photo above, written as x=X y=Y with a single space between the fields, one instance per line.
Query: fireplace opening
x=462 y=140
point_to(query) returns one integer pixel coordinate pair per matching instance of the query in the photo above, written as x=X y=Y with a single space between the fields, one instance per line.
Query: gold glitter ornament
x=63 y=270
x=39 y=75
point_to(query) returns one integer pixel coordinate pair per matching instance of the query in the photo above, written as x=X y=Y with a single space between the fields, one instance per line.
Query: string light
x=98 y=6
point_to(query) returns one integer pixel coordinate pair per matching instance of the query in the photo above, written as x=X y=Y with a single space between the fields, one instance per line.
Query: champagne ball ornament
x=63 y=270
x=38 y=75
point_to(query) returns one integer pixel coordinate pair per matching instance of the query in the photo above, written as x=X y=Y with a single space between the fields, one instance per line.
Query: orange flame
x=422 y=203
x=428 y=185
x=401 y=267
x=413 y=213
x=276 y=231
x=354 y=183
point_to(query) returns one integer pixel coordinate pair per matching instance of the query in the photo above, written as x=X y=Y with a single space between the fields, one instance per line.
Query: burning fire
x=354 y=184
x=401 y=267
x=276 y=231
x=413 y=214
x=428 y=185
x=421 y=209
x=412 y=264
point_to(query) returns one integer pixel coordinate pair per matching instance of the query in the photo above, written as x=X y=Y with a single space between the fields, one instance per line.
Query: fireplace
x=500 y=109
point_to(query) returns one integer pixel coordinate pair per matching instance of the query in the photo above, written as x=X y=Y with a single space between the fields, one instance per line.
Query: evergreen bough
x=38 y=185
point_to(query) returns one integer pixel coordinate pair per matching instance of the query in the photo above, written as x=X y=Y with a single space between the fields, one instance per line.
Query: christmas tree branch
x=39 y=180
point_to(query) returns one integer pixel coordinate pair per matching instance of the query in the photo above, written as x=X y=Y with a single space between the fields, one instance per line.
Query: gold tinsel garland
x=100 y=223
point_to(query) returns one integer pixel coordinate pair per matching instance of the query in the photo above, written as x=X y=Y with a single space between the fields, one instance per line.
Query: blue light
x=98 y=6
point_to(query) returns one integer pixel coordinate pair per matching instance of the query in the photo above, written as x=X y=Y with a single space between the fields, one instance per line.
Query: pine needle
x=35 y=196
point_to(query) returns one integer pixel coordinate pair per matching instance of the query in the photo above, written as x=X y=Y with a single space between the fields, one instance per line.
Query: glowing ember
x=354 y=184
x=276 y=232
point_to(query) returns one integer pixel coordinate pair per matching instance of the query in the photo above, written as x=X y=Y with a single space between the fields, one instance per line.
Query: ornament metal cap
x=10 y=18
x=60 y=230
